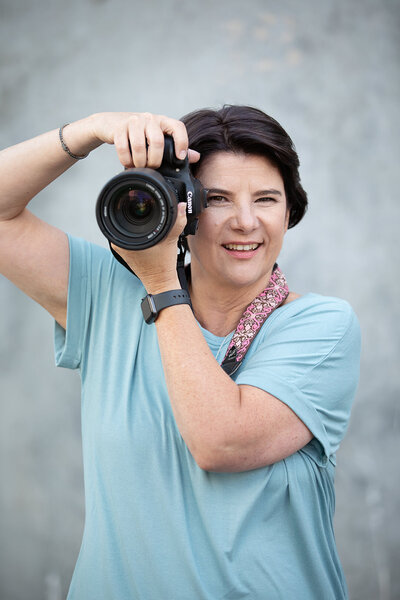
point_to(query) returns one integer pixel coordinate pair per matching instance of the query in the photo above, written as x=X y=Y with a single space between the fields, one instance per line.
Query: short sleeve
x=69 y=341
x=98 y=286
x=91 y=275
x=309 y=359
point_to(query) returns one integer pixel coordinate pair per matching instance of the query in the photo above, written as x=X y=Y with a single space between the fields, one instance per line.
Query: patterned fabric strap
x=253 y=318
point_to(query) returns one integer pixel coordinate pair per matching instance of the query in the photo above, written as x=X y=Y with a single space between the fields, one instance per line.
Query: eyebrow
x=269 y=192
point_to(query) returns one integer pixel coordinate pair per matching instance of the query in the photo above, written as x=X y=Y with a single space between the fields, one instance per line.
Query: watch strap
x=152 y=304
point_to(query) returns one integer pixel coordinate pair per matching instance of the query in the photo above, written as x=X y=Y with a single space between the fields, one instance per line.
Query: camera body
x=138 y=207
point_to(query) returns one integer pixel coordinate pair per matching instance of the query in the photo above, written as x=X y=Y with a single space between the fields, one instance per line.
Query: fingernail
x=182 y=154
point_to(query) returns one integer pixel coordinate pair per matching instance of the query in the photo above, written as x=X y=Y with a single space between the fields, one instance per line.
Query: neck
x=219 y=310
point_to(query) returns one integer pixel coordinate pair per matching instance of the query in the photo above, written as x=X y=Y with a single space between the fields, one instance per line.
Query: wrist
x=79 y=136
x=95 y=121
x=159 y=285
x=152 y=304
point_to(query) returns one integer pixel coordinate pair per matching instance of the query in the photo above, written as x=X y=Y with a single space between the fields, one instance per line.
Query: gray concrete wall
x=329 y=71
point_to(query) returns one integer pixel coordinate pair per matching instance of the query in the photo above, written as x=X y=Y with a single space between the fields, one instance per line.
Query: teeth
x=241 y=246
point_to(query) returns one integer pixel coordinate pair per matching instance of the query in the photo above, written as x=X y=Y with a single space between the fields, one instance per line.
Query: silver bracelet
x=65 y=147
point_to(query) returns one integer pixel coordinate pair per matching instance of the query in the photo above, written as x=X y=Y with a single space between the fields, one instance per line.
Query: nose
x=245 y=217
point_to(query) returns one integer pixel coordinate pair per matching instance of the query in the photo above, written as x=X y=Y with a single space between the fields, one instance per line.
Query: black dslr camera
x=138 y=207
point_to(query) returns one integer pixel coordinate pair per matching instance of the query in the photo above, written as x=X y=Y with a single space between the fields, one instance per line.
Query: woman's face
x=241 y=232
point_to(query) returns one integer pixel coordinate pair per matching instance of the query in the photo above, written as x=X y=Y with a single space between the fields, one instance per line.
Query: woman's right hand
x=35 y=255
x=139 y=137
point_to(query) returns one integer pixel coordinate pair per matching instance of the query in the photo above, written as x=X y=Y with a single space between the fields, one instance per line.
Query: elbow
x=207 y=463
x=206 y=456
x=234 y=457
x=212 y=466
x=219 y=459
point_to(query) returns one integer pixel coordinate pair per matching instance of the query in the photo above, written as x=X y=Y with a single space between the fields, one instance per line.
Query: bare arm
x=33 y=254
x=228 y=427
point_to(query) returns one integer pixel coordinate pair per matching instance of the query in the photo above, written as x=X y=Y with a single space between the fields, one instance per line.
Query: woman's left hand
x=156 y=266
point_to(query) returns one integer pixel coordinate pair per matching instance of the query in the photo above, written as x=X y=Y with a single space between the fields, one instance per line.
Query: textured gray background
x=329 y=71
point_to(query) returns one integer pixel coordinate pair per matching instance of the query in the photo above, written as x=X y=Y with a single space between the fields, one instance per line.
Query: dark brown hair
x=234 y=128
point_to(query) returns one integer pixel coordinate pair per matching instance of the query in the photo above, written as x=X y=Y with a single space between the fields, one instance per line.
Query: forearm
x=28 y=167
x=204 y=399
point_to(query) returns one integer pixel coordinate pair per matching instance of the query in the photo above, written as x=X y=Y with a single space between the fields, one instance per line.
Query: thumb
x=181 y=220
x=193 y=156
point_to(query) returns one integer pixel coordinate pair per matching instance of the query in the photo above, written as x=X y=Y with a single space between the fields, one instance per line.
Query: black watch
x=152 y=305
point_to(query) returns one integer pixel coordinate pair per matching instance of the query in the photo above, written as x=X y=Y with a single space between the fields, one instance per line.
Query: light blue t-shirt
x=157 y=526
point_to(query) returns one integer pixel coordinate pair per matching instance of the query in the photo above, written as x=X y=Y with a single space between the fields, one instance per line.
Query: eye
x=215 y=200
x=266 y=200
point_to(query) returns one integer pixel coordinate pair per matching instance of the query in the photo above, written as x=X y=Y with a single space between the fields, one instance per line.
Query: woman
x=199 y=485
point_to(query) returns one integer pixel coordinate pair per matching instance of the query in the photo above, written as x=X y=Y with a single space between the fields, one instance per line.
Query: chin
x=243 y=280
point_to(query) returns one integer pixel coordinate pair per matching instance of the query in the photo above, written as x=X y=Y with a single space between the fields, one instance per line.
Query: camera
x=138 y=207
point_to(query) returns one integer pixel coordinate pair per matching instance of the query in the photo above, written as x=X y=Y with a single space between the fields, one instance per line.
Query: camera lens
x=137 y=204
x=134 y=206
x=136 y=209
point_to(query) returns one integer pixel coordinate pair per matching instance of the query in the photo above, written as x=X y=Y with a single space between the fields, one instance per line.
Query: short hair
x=244 y=129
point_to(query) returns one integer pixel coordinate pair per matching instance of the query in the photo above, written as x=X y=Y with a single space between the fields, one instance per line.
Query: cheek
x=203 y=241
x=275 y=224
x=281 y=222
x=209 y=226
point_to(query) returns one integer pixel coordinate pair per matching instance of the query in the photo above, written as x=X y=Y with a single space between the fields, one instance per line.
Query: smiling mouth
x=241 y=247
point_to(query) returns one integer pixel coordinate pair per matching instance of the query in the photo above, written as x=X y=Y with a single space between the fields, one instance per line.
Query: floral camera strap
x=253 y=319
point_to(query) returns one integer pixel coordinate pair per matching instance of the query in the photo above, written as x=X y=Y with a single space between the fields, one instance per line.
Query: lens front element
x=136 y=209
x=137 y=205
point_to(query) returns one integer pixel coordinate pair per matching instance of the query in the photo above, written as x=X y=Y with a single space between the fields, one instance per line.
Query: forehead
x=232 y=169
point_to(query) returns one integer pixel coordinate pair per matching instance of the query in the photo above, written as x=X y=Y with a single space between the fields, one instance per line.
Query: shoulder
x=83 y=250
x=323 y=321
x=97 y=279
x=317 y=308
x=96 y=262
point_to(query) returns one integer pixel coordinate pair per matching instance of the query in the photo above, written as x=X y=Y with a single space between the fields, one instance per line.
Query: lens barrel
x=136 y=209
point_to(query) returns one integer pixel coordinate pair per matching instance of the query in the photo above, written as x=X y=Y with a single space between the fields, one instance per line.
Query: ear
x=287 y=217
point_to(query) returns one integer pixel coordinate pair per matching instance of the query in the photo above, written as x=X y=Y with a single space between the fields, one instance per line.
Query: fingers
x=155 y=141
x=139 y=139
x=178 y=131
x=193 y=156
x=122 y=146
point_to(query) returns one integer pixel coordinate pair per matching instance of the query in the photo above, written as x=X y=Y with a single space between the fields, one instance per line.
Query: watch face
x=149 y=309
